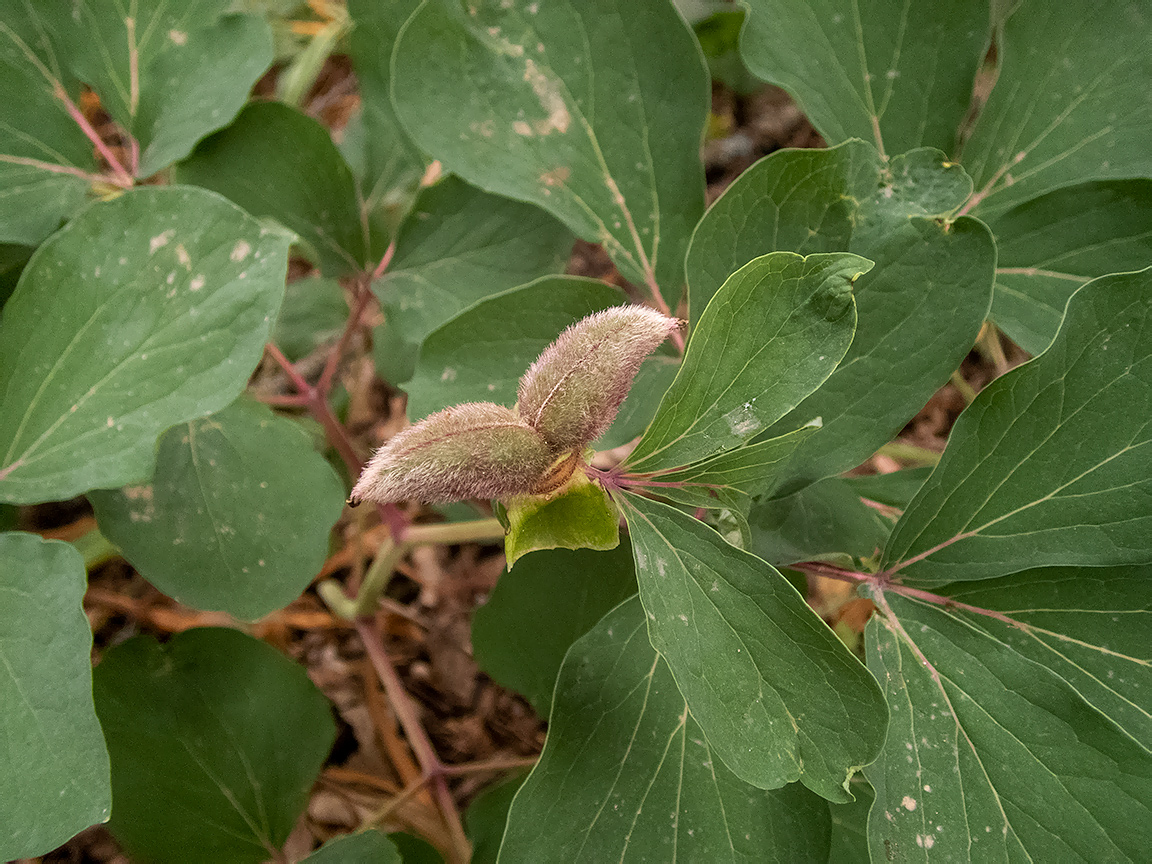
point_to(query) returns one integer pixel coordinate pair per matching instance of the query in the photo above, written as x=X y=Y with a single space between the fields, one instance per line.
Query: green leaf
x=215 y=738
x=824 y=521
x=894 y=73
x=919 y=308
x=236 y=516
x=144 y=311
x=539 y=609
x=169 y=74
x=365 y=847
x=1050 y=465
x=850 y=825
x=308 y=186
x=415 y=850
x=54 y=764
x=730 y=479
x=1050 y=246
x=719 y=36
x=458 y=246
x=893 y=490
x=486 y=817
x=580 y=517
x=777 y=312
x=392 y=164
x=595 y=113
x=777 y=694
x=627 y=774
x=313 y=314
x=1070 y=102
x=458 y=363
x=990 y=755
x=46 y=167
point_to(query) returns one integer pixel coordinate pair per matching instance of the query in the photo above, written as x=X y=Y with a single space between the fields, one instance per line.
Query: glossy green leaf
x=215 y=738
x=1070 y=102
x=895 y=73
x=771 y=336
x=486 y=818
x=991 y=756
x=45 y=167
x=392 y=164
x=365 y=847
x=169 y=74
x=144 y=311
x=236 y=515
x=581 y=517
x=313 y=314
x=627 y=774
x=595 y=112
x=308 y=186
x=54 y=764
x=730 y=479
x=919 y=308
x=777 y=694
x=824 y=521
x=1050 y=465
x=458 y=246
x=539 y=609
x=458 y=362
x=1050 y=246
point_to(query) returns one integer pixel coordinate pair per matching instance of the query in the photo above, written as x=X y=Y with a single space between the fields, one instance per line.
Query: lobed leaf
x=1049 y=465
x=627 y=774
x=594 y=112
x=775 y=691
x=142 y=312
x=198 y=771
x=54 y=763
x=236 y=516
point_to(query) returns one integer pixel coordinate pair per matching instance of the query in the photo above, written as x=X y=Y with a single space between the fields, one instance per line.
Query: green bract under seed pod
x=475 y=450
x=570 y=395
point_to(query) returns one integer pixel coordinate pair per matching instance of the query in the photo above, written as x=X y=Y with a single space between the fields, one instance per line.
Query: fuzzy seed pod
x=571 y=394
x=475 y=450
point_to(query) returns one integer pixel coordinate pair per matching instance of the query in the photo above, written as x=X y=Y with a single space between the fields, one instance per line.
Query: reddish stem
x=122 y=178
x=363 y=297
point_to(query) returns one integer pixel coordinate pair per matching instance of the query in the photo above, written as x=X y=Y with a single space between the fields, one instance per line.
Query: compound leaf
x=1050 y=465
x=593 y=112
x=777 y=694
x=216 y=739
x=236 y=515
x=142 y=312
x=627 y=774
x=54 y=763
x=894 y=73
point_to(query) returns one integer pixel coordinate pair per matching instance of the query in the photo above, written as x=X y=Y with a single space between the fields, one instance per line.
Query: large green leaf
x=893 y=72
x=1070 y=102
x=306 y=186
x=480 y=354
x=540 y=608
x=627 y=775
x=1052 y=464
x=392 y=165
x=1050 y=246
x=777 y=694
x=143 y=312
x=993 y=755
x=457 y=247
x=236 y=516
x=314 y=313
x=54 y=764
x=46 y=166
x=594 y=111
x=365 y=847
x=771 y=336
x=215 y=740
x=918 y=309
x=487 y=817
